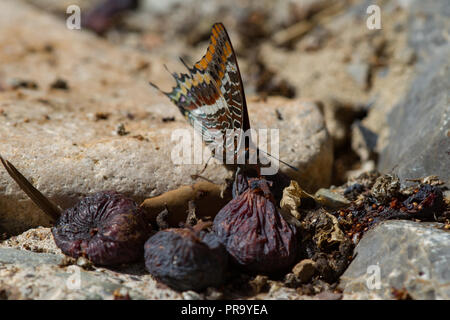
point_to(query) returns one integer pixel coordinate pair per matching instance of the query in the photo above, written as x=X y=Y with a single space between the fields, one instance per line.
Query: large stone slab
x=419 y=127
x=68 y=142
x=410 y=255
x=419 y=140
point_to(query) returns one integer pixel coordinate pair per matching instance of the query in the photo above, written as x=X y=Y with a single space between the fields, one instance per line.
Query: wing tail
x=35 y=195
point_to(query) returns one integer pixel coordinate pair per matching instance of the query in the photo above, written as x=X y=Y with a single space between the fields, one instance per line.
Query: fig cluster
x=106 y=227
x=109 y=229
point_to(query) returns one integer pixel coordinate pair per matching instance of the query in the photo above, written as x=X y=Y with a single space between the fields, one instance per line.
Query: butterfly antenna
x=283 y=162
x=35 y=195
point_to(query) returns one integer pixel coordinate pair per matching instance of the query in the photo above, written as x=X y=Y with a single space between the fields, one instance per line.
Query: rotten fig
x=254 y=232
x=106 y=227
x=186 y=258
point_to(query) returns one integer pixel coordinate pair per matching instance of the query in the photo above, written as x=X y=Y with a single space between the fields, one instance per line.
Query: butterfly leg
x=199 y=175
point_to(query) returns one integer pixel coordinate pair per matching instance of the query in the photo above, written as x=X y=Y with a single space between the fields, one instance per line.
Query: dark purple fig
x=186 y=258
x=253 y=231
x=106 y=227
x=277 y=182
x=240 y=184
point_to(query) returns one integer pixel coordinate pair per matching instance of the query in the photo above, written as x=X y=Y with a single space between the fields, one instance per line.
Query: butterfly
x=211 y=96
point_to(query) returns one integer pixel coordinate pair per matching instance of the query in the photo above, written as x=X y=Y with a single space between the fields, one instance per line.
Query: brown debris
x=191 y=219
x=304 y=270
x=10 y=293
x=323 y=241
x=121 y=131
x=401 y=294
x=121 y=294
x=386 y=187
x=259 y=284
x=207 y=196
x=140 y=137
x=327 y=232
x=23 y=83
x=386 y=200
x=102 y=116
x=168 y=119
x=60 y=84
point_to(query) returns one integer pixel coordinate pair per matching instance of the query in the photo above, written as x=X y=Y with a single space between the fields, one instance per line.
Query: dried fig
x=107 y=228
x=254 y=232
x=186 y=258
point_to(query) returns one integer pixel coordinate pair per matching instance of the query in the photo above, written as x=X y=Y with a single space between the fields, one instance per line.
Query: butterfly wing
x=212 y=96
